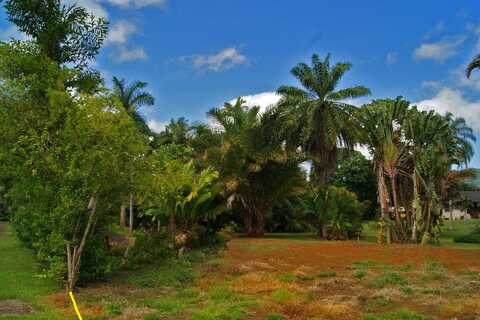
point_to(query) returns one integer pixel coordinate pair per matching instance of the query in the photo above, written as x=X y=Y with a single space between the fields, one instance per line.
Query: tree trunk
x=398 y=221
x=382 y=199
x=259 y=223
x=247 y=223
x=123 y=215
x=75 y=252
x=172 y=225
x=130 y=225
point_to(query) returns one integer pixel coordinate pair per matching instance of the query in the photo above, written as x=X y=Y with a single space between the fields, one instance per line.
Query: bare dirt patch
x=15 y=308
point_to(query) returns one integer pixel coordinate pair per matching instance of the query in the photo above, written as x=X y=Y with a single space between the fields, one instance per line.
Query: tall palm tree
x=178 y=131
x=322 y=111
x=132 y=98
x=474 y=64
x=381 y=123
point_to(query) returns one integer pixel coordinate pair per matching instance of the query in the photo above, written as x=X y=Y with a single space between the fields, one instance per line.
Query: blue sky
x=197 y=54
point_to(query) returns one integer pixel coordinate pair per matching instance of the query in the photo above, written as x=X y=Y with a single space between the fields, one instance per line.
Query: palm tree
x=257 y=164
x=132 y=97
x=176 y=132
x=322 y=111
x=474 y=64
x=381 y=123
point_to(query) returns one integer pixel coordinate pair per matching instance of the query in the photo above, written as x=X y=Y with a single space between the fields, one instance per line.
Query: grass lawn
x=450 y=230
x=280 y=277
x=19 y=278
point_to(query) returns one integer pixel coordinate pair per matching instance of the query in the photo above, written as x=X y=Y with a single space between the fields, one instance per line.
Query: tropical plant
x=257 y=163
x=335 y=212
x=474 y=64
x=323 y=115
x=381 y=123
x=132 y=97
x=178 y=131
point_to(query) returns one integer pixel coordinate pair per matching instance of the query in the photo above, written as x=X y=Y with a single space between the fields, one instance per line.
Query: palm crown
x=324 y=109
x=132 y=97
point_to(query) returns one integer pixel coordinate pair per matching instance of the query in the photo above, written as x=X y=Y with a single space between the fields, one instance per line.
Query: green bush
x=472 y=237
x=335 y=212
x=149 y=248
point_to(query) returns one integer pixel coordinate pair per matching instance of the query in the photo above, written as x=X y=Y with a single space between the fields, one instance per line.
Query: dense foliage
x=73 y=153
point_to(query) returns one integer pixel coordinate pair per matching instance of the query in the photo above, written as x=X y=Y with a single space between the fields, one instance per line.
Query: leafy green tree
x=355 y=173
x=324 y=118
x=62 y=154
x=474 y=64
x=65 y=34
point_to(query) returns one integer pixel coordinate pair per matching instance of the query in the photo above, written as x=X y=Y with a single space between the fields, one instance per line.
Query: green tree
x=132 y=97
x=322 y=111
x=257 y=163
x=178 y=131
x=65 y=34
x=355 y=173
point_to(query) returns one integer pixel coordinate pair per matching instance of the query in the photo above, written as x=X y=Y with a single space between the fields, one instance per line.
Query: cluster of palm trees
x=258 y=154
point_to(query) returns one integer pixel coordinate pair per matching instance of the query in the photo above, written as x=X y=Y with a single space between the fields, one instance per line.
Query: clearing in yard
x=303 y=278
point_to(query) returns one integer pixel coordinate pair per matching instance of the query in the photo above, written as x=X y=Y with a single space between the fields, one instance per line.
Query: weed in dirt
x=327 y=274
x=170 y=274
x=432 y=291
x=224 y=311
x=363 y=264
x=115 y=309
x=220 y=293
x=408 y=291
x=359 y=274
x=282 y=295
x=287 y=277
x=305 y=277
x=380 y=302
x=389 y=279
x=275 y=316
x=402 y=314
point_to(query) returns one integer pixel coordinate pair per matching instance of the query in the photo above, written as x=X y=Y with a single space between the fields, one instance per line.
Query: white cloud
x=120 y=31
x=124 y=54
x=12 y=32
x=93 y=6
x=223 y=60
x=262 y=100
x=157 y=126
x=461 y=79
x=431 y=84
x=439 y=27
x=439 y=51
x=391 y=57
x=451 y=100
x=137 y=3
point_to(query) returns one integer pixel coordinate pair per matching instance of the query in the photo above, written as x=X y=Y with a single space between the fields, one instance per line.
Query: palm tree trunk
x=123 y=215
x=398 y=221
x=130 y=226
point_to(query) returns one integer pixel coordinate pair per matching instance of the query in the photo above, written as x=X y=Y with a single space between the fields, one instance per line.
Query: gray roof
x=473 y=196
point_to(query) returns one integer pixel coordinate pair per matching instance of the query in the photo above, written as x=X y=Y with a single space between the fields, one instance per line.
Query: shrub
x=149 y=248
x=472 y=237
x=335 y=212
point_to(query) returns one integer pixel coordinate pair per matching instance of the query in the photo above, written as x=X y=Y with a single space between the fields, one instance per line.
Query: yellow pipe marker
x=75 y=305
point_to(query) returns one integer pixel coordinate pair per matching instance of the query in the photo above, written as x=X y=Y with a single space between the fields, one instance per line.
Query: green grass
x=403 y=314
x=20 y=278
x=389 y=279
x=450 y=230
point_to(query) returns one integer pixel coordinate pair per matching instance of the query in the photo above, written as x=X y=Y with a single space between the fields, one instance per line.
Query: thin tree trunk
x=130 y=225
x=172 y=225
x=382 y=199
x=75 y=252
x=416 y=207
x=123 y=215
